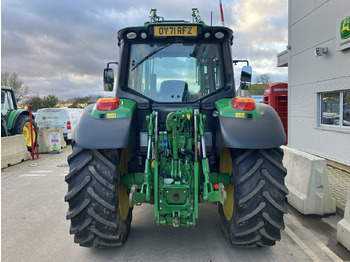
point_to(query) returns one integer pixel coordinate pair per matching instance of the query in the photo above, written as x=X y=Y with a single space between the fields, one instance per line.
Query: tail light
x=69 y=125
x=244 y=104
x=107 y=104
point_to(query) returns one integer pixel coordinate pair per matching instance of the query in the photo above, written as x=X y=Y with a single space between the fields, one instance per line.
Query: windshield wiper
x=153 y=52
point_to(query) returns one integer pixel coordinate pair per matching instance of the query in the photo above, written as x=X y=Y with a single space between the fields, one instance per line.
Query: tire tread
x=259 y=198
x=93 y=198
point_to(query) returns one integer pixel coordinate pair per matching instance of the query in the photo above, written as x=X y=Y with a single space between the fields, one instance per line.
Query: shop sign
x=343 y=32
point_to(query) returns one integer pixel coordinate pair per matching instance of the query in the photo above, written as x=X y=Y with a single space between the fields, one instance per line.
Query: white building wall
x=313 y=23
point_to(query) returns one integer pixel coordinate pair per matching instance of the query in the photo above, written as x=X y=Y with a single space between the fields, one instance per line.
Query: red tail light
x=244 y=104
x=107 y=104
x=69 y=125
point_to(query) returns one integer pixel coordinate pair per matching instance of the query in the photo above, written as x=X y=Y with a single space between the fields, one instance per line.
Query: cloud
x=81 y=79
x=261 y=32
x=64 y=88
x=262 y=20
x=61 y=47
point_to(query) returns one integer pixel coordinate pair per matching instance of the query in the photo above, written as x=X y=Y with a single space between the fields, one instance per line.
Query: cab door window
x=6 y=102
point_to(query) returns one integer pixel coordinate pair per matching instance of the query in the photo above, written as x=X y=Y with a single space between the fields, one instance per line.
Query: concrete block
x=343 y=227
x=44 y=139
x=13 y=150
x=307 y=181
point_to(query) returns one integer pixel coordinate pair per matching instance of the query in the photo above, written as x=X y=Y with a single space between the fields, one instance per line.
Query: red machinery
x=276 y=95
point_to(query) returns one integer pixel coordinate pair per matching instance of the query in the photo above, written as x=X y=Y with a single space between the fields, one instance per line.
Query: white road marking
x=41 y=171
x=33 y=175
x=301 y=244
x=39 y=175
x=312 y=239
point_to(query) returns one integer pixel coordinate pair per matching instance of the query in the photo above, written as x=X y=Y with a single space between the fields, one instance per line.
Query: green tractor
x=176 y=136
x=16 y=121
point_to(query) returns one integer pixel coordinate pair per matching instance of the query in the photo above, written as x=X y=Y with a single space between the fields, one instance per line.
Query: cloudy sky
x=61 y=47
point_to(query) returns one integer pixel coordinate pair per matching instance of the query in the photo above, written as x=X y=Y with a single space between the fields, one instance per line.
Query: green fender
x=107 y=129
x=13 y=116
x=258 y=129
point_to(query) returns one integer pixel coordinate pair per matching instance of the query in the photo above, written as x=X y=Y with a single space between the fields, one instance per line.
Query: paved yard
x=339 y=182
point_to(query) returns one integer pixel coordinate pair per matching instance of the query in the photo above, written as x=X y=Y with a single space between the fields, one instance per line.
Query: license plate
x=111 y=115
x=240 y=115
x=175 y=30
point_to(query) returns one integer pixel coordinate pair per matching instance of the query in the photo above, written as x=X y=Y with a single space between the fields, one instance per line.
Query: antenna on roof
x=153 y=17
x=195 y=16
x=222 y=13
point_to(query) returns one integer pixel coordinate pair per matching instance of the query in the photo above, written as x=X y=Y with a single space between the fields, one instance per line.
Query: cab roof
x=157 y=28
x=6 y=88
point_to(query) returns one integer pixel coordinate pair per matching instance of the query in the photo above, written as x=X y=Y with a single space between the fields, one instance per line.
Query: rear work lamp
x=244 y=104
x=107 y=104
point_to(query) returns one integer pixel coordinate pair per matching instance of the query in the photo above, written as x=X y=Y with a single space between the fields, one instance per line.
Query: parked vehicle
x=15 y=121
x=64 y=118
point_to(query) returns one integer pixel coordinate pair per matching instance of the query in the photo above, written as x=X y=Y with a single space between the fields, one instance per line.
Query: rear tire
x=22 y=126
x=97 y=210
x=259 y=197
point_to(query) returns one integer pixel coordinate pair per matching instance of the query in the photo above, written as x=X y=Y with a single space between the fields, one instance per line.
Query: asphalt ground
x=34 y=227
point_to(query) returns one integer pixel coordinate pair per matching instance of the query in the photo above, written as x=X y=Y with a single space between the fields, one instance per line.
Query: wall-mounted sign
x=343 y=32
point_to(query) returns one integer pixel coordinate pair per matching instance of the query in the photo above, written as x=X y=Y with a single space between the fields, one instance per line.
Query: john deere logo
x=345 y=28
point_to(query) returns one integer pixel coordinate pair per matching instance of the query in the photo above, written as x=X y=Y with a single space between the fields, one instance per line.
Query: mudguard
x=13 y=116
x=263 y=132
x=105 y=133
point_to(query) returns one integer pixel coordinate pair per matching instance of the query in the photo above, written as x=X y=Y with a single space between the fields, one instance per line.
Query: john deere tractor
x=15 y=121
x=176 y=136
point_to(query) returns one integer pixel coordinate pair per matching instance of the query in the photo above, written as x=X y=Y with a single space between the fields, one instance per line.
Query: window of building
x=335 y=109
x=346 y=108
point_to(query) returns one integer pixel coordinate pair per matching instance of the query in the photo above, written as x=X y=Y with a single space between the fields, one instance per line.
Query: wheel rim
x=226 y=167
x=123 y=202
x=27 y=133
x=123 y=190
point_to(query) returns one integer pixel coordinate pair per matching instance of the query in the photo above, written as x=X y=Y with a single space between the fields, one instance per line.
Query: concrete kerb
x=13 y=150
x=343 y=227
x=307 y=181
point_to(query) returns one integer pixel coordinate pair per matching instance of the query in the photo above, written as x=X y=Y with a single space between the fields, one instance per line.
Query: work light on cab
x=131 y=35
x=244 y=104
x=219 y=35
x=107 y=104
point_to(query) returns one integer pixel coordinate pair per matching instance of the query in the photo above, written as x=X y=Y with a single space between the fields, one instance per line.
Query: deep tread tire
x=19 y=129
x=259 y=198
x=93 y=198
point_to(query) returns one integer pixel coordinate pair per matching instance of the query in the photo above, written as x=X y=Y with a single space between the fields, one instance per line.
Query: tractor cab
x=16 y=121
x=174 y=62
x=166 y=65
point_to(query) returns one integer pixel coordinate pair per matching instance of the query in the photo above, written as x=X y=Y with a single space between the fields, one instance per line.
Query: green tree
x=82 y=102
x=13 y=80
x=36 y=102
x=263 y=79
x=257 y=89
x=50 y=101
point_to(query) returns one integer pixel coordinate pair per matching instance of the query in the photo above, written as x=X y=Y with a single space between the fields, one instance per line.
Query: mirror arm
x=116 y=63
x=240 y=61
